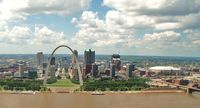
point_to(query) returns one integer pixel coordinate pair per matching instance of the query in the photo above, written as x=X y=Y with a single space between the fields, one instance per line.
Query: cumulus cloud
x=163 y=14
x=111 y=32
x=25 y=36
x=44 y=35
x=12 y=9
x=162 y=40
x=117 y=30
x=155 y=7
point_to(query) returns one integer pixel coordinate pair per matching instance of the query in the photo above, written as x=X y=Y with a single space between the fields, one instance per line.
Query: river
x=80 y=100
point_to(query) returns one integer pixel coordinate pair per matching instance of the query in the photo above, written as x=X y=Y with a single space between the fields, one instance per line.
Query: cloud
x=95 y=32
x=3 y=26
x=162 y=40
x=19 y=9
x=193 y=36
x=117 y=31
x=55 y=6
x=44 y=35
x=18 y=35
x=25 y=36
x=155 y=7
x=163 y=14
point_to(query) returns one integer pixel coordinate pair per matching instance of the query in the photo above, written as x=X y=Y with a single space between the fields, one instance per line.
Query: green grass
x=62 y=83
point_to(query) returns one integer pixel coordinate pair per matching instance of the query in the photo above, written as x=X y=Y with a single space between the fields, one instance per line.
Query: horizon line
x=102 y=54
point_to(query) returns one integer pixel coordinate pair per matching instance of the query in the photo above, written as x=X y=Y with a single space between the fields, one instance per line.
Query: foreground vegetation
x=18 y=84
x=25 y=84
x=115 y=85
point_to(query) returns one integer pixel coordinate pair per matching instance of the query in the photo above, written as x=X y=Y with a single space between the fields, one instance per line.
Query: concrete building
x=112 y=70
x=21 y=70
x=39 y=64
x=129 y=70
x=95 y=71
x=87 y=69
x=89 y=57
x=40 y=59
x=115 y=59
x=32 y=73
x=101 y=69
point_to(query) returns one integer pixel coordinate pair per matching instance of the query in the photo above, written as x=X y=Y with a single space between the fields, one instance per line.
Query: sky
x=127 y=27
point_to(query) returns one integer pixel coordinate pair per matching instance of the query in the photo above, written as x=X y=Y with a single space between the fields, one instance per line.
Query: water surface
x=77 y=100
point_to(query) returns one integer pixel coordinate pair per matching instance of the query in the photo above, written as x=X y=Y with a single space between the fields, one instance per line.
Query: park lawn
x=63 y=83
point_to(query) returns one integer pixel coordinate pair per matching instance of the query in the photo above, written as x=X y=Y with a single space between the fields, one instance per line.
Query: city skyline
x=156 y=28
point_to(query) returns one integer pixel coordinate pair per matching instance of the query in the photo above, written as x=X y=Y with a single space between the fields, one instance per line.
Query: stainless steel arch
x=73 y=55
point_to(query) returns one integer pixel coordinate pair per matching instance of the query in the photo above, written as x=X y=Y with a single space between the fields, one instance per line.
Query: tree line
x=22 y=84
x=115 y=85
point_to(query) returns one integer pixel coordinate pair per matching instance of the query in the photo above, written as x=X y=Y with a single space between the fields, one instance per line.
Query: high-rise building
x=21 y=70
x=129 y=70
x=40 y=59
x=94 y=70
x=87 y=69
x=112 y=70
x=115 y=59
x=89 y=57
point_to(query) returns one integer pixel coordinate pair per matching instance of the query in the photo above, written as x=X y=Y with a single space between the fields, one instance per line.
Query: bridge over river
x=189 y=89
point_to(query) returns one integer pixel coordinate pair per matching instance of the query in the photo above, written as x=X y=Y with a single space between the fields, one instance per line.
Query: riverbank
x=128 y=92
x=90 y=92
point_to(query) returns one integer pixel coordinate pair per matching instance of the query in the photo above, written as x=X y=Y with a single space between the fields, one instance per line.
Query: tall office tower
x=21 y=70
x=112 y=70
x=89 y=59
x=53 y=61
x=76 y=54
x=129 y=70
x=115 y=59
x=40 y=59
x=94 y=70
x=39 y=64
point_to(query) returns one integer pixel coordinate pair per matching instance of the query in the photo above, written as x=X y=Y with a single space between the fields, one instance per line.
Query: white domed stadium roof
x=164 y=68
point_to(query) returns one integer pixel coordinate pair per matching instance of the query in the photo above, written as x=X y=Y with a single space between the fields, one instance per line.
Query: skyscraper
x=112 y=70
x=129 y=70
x=21 y=70
x=39 y=59
x=89 y=57
x=94 y=70
x=115 y=59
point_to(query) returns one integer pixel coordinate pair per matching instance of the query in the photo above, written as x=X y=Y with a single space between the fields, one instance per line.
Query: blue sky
x=160 y=28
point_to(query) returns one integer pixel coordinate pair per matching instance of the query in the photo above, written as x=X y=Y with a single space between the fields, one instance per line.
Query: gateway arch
x=73 y=56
